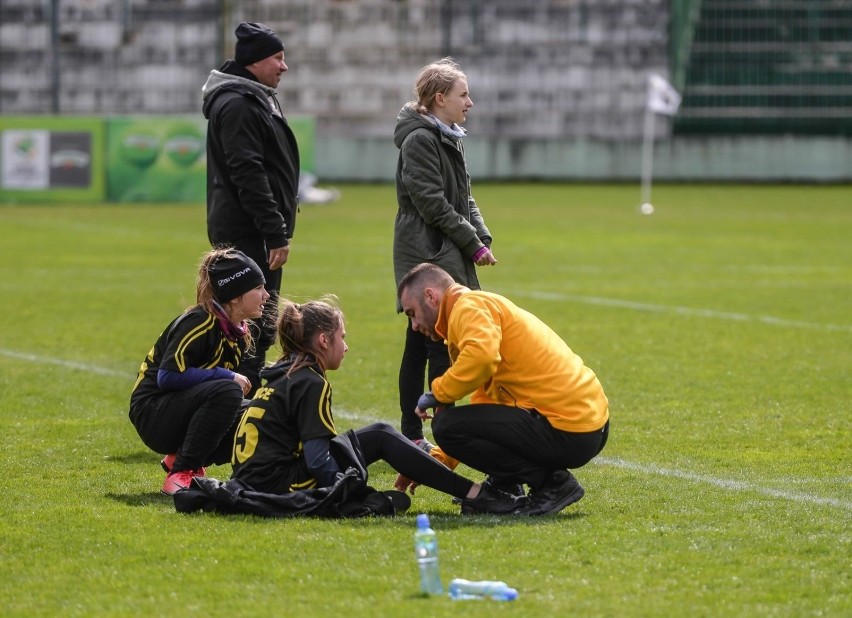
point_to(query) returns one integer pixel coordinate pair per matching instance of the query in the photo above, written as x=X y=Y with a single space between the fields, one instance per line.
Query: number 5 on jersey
x=247 y=431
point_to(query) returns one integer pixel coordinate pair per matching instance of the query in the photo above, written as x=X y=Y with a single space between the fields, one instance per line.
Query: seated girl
x=283 y=441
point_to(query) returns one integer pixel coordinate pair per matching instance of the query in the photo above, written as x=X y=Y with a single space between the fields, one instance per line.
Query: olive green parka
x=438 y=220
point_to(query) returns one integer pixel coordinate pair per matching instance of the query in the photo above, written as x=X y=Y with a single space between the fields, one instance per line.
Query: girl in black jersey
x=188 y=395
x=283 y=440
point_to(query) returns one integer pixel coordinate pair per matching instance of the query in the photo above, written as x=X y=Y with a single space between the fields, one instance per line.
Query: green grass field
x=720 y=328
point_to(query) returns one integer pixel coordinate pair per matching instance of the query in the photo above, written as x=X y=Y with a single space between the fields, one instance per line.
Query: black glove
x=427 y=400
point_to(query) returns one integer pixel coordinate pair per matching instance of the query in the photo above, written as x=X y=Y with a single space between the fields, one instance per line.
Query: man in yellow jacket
x=535 y=408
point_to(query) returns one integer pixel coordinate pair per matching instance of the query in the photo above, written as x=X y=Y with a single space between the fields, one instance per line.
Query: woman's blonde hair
x=434 y=78
x=298 y=325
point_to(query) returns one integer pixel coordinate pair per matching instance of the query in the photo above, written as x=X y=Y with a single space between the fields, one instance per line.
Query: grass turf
x=719 y=326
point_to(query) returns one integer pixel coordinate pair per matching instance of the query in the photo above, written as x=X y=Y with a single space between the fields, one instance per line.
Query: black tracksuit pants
x=511 y=443
x=197 y=423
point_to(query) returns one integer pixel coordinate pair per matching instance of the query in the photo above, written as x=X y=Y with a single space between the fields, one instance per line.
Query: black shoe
x=507 y=487
x=558 y=492
x=491 y=501
x=400 y=500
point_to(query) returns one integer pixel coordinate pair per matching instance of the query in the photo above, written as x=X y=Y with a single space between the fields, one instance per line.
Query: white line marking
x=706 y=313
x=793 y=496
x=728 y=484
x=64 y=363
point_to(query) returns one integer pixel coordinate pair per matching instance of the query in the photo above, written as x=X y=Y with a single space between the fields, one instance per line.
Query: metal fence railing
x=766 y=67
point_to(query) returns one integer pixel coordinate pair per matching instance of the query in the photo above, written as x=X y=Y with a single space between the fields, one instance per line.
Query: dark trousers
x=263 y=329
x=197 y=423
x=380 y=441
x=418 y=350
x=513 y=444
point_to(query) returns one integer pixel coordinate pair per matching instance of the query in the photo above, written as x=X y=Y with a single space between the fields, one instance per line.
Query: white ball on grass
x=647 y=208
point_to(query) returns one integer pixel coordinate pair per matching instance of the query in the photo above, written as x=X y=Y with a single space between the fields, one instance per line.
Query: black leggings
x=380 y=441
x=412 y=370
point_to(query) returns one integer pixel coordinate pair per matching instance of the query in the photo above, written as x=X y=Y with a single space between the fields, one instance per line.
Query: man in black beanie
x=252 y=168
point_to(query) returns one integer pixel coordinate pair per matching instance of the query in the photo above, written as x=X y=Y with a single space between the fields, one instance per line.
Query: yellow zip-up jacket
x=503 y=354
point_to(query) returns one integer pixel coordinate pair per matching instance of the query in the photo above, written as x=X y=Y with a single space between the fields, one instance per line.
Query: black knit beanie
x=255 y=42
x=234 y=275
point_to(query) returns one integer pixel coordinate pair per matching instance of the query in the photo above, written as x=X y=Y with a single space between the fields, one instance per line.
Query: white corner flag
x=662 y=97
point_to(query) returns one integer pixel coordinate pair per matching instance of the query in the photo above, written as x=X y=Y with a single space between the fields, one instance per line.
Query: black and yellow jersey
x=193 y=339
x=288 y=411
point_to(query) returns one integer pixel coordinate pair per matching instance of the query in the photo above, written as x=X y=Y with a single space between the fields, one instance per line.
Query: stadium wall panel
x=695 y=158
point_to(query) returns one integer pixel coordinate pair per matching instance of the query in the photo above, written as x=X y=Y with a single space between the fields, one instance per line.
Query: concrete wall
x=747 y=159
x=558 y=85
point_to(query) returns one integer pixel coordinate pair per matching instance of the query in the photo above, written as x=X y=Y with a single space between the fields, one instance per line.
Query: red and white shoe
x=177 y=481
x=168 y=463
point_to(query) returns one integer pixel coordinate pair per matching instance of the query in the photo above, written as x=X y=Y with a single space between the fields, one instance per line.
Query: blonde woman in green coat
x=438 y=220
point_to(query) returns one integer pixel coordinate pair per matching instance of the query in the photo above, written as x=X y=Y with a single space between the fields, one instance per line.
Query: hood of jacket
x=232 y=76
x=279 y=369
x=409 y=120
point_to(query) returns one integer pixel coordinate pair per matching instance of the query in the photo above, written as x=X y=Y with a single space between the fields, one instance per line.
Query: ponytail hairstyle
x=434 y=78
x=299 y=324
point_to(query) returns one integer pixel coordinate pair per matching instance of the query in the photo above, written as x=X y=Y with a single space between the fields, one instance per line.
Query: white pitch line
x=793 y=496
x=64 y=363
x=705 y=313
x=727 y=484
x=649 y=470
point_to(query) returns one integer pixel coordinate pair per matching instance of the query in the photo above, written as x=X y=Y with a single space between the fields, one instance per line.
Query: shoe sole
x=471 y=511
x=466 y=509
x=400 y=500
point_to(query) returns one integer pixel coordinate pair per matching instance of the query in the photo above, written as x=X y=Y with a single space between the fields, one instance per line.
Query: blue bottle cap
x=510 y=594
x=423 y=520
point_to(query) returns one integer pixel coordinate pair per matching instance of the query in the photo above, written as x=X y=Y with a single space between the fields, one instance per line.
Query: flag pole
x=662 y=99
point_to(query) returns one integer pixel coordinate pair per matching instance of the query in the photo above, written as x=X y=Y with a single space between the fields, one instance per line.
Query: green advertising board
x=120 y=159
x=156 y=159
x=51 y=159
x=164 y=159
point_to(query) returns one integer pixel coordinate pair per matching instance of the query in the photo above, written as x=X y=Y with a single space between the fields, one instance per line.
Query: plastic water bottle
x=465 y=589
x=426 y=553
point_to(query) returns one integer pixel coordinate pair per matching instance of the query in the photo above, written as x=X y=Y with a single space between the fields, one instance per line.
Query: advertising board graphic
x=156 y=159
x=120 y=159
x=51 y=159
x=164 y=159
x=39 y=159
x=25 y=159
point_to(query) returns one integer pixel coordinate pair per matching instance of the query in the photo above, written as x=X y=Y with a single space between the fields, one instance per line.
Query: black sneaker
x=491 y=501
x=561 y=490
x=400 y=500
x=507 y=487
